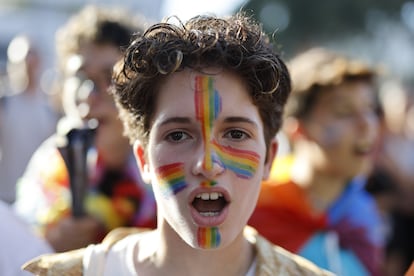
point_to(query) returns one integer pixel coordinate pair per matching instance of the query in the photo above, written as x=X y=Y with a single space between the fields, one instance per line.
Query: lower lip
x=204 y=221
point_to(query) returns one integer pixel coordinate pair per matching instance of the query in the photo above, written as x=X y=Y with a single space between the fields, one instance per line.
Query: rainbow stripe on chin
x=171 y=178
x=208 y=237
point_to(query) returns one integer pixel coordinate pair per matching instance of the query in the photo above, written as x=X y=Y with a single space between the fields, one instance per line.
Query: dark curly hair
x=236 y=43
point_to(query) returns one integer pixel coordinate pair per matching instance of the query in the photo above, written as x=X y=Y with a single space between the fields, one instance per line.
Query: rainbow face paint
x=208 y=183
x=208 y=237
x=171 y=178
x=208 y=105
x=242 y=162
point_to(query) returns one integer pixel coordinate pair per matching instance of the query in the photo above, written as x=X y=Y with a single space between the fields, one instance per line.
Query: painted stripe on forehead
x=171 y=178
x=207 y=106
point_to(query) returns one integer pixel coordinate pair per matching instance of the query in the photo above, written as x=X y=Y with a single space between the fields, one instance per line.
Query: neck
x=171 y=255
x=321 y=188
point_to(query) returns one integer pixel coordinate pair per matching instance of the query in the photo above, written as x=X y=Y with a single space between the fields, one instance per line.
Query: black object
x=75 y=154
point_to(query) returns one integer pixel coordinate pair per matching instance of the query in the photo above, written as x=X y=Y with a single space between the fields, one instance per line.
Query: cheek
x=243 y=163
x=331 y=135
x=171 y=178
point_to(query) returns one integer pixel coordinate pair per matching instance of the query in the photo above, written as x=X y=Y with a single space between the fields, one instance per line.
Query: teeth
x=210 y=196
x=214 y=196
x=209 y=214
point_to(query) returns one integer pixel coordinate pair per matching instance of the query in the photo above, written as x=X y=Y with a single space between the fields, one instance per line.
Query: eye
x=236 y=134
x=177 y=136
x=343 y=113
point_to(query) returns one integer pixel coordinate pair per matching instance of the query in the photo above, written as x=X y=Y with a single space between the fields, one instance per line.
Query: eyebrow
x=238 y=119
x=181 y=120
x=186 y=120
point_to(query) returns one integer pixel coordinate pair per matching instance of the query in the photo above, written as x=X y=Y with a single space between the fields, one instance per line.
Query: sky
x=186 y=9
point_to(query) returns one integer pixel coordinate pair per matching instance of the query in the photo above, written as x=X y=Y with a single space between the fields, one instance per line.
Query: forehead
x=358 y=92
x=179 y=88
x=97 y=58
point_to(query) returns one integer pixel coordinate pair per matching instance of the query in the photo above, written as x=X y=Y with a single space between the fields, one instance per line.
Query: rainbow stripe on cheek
x=208 y=237
x=207 y=106
x=171 y=178
x=243 y=163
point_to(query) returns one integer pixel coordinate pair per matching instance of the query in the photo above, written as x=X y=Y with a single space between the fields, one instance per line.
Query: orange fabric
x=283 y=214
x=410 y=271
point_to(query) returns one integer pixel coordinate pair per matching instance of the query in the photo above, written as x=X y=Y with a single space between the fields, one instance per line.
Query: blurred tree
x=298 y=24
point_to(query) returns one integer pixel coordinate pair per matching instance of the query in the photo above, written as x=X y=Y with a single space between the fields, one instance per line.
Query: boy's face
x=342 y=129
x=95 y=102
x=206 y=157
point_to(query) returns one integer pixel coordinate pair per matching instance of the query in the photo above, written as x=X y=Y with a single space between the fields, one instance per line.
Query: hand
x=73 y=233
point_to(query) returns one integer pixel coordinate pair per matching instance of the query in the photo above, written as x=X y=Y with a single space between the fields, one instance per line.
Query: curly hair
x=318 y=69
x=236 y=43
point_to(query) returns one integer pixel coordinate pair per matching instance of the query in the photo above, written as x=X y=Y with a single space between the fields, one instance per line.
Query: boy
x=313 y=204
x=201 y=103
x=88 y=46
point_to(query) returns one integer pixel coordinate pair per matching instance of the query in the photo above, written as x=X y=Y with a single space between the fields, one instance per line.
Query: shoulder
x=274 y=260
x=114 y=256
x=72 y=262
x=67 y=263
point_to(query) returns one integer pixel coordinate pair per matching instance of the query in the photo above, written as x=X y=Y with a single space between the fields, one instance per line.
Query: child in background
x=314 y=202
x=88 y=46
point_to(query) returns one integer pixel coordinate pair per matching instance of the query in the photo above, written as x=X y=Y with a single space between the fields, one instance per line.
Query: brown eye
x=236 y=134
x=177 y=136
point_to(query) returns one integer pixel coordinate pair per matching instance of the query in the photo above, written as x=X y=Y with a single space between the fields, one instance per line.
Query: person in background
x=205 y=161
x=314 y=202
x=18 y=243
x=88 y=45
x=26 y=115
x=394 y=165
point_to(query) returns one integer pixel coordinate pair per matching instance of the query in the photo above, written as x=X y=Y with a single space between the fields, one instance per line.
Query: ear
x=294 y=128
x=139 y=154
x=271 y=154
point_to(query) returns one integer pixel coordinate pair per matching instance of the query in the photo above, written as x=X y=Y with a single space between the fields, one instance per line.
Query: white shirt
x=120 y=259
x=18 y=243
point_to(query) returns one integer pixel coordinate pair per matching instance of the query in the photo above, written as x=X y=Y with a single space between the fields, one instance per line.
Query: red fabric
x=284 y=217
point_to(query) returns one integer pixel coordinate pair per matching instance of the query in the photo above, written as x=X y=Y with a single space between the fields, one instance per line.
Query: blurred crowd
x=341 y=189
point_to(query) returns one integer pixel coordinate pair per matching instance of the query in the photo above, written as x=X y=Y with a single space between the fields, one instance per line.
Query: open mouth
x=209 y=208
x=209 y=204
x=363 y=149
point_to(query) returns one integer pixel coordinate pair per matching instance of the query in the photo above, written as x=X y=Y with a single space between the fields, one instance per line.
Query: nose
x=84 y=97
x=208 y=163
x=89 y=95
x=368 y=123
